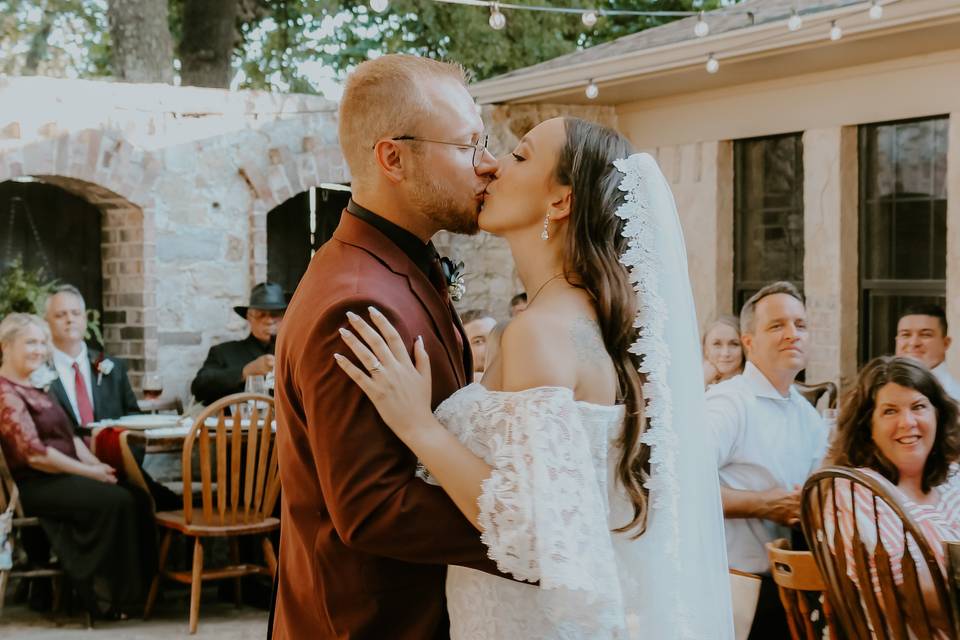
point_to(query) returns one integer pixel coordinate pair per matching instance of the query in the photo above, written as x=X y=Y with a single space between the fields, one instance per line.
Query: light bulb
x=876 y=10
x=835 y=31
x=497 y=20
x=589 y=18
x=379 y=5
x=701 y=29
x=713 y=65
x=795 y=21
x=592 y=91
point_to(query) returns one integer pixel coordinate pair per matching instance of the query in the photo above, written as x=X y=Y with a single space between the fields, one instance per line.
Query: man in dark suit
x=364 y=543
x=228 y=365
x=90 y=386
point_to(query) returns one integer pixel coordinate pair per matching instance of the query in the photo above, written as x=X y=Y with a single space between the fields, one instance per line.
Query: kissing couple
x=571 y=494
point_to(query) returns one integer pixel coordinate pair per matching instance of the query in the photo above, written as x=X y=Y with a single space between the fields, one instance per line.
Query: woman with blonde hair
x=102 y=531
x=723 y=356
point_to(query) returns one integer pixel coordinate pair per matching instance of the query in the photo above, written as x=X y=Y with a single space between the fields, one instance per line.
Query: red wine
x=152 y=394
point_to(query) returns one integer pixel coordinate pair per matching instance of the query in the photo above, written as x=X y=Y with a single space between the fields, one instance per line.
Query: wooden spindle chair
x=240 y=484
x=797 y=576
x=899 y=611
x=813 y=393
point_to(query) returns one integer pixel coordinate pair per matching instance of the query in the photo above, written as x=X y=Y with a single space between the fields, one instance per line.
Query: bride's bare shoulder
x=535 y=352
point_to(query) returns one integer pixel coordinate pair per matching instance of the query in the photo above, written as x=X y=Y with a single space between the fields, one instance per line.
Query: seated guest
x=518 y=303
x=722 y=352
x=87 y=387
x=228 y=365
x=477 y=324
x=769 y=439
x=102 y=531
x=922 y=334
x=899 y=426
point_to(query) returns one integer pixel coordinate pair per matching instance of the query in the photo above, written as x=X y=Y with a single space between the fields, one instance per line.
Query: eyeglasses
x=479 y=147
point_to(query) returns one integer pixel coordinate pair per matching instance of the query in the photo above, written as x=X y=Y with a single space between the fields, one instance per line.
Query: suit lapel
x=58 y=392
x=358 y=233
x=94 y=385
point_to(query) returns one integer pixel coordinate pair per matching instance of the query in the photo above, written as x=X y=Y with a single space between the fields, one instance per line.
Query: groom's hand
x=782 y=506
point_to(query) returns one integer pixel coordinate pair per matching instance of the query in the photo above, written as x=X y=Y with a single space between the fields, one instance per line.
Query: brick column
x=953 y=240
x=830 y=197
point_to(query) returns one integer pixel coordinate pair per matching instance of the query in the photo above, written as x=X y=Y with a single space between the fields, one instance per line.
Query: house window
x=297 y=228
x=903 y=225
x=768 y=214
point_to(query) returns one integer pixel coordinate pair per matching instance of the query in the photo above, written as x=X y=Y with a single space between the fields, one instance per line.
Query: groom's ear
x=562 y=204
x=389 y=160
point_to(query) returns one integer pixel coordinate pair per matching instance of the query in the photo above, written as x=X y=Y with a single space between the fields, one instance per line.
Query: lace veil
x=679 y=565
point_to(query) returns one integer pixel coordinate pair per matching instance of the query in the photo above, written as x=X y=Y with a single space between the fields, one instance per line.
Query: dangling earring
x=545 y=235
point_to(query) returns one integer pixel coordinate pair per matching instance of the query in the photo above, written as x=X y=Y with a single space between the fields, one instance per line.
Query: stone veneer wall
x=490 y=275
x=184 y=178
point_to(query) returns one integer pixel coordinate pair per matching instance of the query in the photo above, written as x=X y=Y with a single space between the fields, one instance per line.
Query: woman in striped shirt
x=899 y=426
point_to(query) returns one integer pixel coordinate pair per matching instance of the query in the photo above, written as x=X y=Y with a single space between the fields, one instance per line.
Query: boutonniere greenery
x=43 y=376
x=103 y=366
x=453 y=274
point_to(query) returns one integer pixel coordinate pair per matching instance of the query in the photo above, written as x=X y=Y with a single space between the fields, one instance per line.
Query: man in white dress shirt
x=769 y=440
x=922 y=335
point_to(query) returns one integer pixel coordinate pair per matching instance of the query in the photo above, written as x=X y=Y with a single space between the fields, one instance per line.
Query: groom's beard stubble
x=451 y=209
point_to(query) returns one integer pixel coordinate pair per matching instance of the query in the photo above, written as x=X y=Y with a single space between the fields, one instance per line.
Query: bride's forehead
x=547 y=136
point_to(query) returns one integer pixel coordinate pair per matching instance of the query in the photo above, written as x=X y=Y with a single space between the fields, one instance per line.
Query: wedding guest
x=922 y=334
x=518 y=303
x=899 y=426
x=102 y=531
x=769 y=439
x=228 y=365
x=722 y=351
x=477 y=324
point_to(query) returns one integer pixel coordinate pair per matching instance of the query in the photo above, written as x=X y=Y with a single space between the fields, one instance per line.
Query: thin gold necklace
x=549 y=280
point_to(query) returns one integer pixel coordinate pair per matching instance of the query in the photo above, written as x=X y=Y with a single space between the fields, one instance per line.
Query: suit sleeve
x=217 y=377
x=375 y=500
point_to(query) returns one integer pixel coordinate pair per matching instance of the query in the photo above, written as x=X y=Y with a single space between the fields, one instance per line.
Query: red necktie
x=83 y=400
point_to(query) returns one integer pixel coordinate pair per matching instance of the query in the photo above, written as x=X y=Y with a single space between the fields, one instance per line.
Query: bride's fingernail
x=337 y=356
x=374 y=311
x=351 y=315
x=344 y=332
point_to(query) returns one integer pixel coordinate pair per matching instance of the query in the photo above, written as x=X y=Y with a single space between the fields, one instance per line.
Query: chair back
x=851 y=543
x=796 y=572
x=236 y=451
x=813 y=392
x=9 y=494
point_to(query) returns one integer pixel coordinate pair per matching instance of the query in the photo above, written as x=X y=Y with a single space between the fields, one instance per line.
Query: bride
x=581 y=456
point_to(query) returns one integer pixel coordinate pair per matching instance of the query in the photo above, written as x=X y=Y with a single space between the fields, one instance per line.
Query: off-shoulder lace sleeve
x=17 y=430
x=544 y=508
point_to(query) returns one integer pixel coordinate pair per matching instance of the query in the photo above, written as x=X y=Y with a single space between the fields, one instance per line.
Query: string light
x=497 y=20
x=876 y=10
x=713 y=65
x=701 y=29
x=835 y=31
x=592 y=91
x=379 y=5
x=795 y=21
x=589 y=18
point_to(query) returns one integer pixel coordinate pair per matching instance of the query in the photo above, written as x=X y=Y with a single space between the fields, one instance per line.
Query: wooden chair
x=240 y=486
x=796 y=574
x=899 y=611
x=813 y=393
x=174 y=404
x=10 y=505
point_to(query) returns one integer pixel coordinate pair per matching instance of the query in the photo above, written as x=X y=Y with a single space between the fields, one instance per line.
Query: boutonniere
x=103 y=366
x=453 y=274
x=43 y=376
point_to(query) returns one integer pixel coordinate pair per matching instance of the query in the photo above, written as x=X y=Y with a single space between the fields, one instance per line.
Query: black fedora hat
x=268 y=296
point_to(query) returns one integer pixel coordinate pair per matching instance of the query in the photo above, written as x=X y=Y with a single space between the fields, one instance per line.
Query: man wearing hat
x=228 y=365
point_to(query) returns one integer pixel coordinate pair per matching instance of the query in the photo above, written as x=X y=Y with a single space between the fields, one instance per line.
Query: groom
x=364 y=543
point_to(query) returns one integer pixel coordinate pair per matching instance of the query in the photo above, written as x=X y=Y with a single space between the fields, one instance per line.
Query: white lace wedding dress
x=547 y=512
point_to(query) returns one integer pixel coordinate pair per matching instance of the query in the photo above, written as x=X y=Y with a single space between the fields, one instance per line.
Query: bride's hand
x=399 y=389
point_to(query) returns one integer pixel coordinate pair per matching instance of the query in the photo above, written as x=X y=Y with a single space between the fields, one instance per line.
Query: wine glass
x=152 y=386
x=255 y=384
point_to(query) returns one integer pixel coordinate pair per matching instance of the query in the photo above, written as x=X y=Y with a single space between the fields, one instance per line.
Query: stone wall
x=185 y=178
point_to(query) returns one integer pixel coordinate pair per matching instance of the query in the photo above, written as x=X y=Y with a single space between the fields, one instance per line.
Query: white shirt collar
x=761 y=386
x=62 y=361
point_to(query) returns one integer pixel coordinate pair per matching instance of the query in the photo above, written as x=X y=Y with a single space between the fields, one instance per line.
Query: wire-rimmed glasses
x=478 y=147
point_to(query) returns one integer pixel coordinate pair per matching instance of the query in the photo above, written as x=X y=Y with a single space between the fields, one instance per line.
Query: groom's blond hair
x=382 y=99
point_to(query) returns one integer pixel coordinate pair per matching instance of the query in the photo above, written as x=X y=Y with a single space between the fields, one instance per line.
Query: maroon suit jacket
x=364 y=544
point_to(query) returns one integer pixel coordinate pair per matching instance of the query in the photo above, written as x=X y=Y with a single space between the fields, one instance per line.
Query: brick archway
x=109 y=173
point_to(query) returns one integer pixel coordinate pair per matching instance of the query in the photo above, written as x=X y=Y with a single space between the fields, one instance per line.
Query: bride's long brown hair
x=594 y=244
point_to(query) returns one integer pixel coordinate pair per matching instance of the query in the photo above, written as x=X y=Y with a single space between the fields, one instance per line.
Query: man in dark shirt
x=228 y=365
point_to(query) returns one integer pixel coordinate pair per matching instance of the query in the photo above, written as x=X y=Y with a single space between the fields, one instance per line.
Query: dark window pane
x=768 y=213
x=881 y=312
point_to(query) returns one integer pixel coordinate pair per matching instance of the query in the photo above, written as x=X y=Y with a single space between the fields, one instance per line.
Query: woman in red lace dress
x=102 y=532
